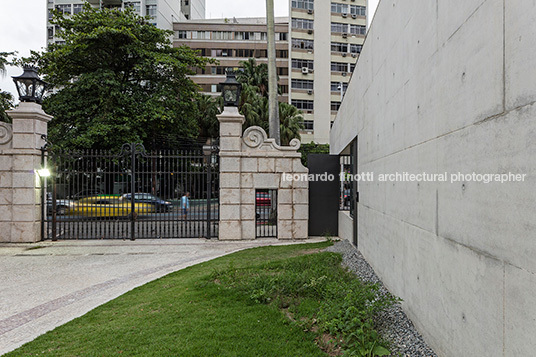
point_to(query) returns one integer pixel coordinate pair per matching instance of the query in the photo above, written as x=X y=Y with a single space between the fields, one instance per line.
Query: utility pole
x=273 y=104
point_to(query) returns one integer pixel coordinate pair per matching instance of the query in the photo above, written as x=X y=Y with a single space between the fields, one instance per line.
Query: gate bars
x=98 y=194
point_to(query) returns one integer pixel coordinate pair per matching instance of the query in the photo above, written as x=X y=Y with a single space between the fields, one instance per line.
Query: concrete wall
x=346 y=226
x=450 y=87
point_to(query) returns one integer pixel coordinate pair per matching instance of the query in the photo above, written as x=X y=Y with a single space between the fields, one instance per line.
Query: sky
x=23 y=24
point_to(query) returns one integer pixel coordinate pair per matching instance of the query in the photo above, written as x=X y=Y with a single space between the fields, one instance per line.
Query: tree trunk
x=272 y=74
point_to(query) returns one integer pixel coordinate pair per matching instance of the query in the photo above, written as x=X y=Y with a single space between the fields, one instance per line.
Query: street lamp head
x=230 y=90
x=29 y=86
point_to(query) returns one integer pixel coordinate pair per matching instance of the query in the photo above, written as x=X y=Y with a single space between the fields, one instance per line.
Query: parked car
x=63 y=206
x=108 y=206
x=86 y=193
x=159 y=204
x=263 y=199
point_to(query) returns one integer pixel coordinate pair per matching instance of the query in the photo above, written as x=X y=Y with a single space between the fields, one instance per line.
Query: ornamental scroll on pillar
x=250 y=161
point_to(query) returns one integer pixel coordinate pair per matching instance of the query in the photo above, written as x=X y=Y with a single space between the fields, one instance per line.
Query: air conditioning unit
x=353 y=0
x=310 y=12
x=344 y=54
x=305 y=70
x=354 y=55
x=344 y=14
x=344 y=35
x=344 y=74
x=310 y=32
x=310 y=92
x=354 y=16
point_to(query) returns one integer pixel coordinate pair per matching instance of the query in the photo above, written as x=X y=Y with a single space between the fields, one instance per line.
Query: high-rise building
x=231 y=41
x=325 y=41
x=163 y=12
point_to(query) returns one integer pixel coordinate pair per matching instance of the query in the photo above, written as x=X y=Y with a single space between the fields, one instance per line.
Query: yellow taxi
x=108 y=206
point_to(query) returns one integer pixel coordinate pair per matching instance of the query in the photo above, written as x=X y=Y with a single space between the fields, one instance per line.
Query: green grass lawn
x=257 y=302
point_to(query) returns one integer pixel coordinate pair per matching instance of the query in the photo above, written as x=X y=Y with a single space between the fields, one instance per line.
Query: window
x=357 y=10
x=150 y=10
x=49 y=14
x=281 y=36
x=355 y=48
x=302 y=44
x=65 y=9
x=134 y=5
x=352 y=67
x=302 y=84
x=303 y=104
x=180 y=34
x=281 y=54
x=283 y=89
x=339 y=67
x=358 y=30
x=337 y=27
x=339 y=47
x=302 y=24
x=214 y=88
x=336 y=87
x=282 y=71
x=221 y=35
x=339 y=8
x=245 y=53
x=50 y=32
x=308 y=124
x=300 y=63
x=303 y=4
x=335 y=106
x=77 y=8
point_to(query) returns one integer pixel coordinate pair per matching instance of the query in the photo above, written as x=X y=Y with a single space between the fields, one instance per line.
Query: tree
x=6 y=99
x=118 y=80
x=6 y=103
x=254 y=74
x=254 y=103
x=272 y=73
x=208 y=108
x=291 y=122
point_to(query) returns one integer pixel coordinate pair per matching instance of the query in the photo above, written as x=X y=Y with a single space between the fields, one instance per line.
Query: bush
x=320 y=295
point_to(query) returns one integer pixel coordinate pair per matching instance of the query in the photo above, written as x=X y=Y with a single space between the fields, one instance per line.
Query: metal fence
x=266 y=213
x=133 y=193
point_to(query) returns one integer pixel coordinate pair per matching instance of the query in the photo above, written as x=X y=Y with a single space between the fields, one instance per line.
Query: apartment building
x=231 y=41
x=325 y=41
x=163 y=12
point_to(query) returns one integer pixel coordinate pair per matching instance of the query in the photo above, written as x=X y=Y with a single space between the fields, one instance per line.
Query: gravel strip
x=393 y=324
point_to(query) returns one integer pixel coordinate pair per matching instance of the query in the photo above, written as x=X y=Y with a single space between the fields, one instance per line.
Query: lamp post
x=208 y=151
x=30 y=87
x=230 y=90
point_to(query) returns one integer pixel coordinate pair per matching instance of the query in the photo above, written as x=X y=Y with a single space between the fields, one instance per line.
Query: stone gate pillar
x=20 y=158
x=250 y=161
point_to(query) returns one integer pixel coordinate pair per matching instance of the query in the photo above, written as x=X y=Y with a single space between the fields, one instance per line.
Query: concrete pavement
x=47 y=284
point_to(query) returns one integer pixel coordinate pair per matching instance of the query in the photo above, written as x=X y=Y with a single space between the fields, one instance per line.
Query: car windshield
x=140 y=196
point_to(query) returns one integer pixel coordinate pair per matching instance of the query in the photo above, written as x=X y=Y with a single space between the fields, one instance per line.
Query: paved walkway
x=47 y=284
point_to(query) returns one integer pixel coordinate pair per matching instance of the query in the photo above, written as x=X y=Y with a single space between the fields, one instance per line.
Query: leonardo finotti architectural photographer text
x=410 y=177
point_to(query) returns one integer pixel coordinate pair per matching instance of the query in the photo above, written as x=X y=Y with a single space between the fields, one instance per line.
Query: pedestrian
x=185 y=204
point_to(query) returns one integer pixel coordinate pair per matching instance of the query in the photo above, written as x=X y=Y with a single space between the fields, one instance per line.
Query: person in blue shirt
x=185 y=204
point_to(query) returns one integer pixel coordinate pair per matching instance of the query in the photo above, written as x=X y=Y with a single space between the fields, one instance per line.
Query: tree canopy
x=6 y=99
x=254 y=102
x=117 y=79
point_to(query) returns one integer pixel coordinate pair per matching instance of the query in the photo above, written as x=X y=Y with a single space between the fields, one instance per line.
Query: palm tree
x=4 y=61
x=291 y=122
x=208 y=108
x=272 y=73
x=254 y=75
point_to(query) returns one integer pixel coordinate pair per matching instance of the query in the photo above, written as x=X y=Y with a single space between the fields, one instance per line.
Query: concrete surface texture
x=449 y=86
x=250 y=161
x=46 y=284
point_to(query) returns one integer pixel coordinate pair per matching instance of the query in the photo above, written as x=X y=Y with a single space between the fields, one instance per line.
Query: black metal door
x=132 y=194
x=324 y=193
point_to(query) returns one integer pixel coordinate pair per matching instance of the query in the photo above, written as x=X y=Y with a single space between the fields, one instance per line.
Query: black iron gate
x=135 y=193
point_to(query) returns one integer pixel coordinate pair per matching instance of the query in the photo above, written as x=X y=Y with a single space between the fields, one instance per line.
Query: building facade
x=163 y=12
x=231 y=41
x=325 y=41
